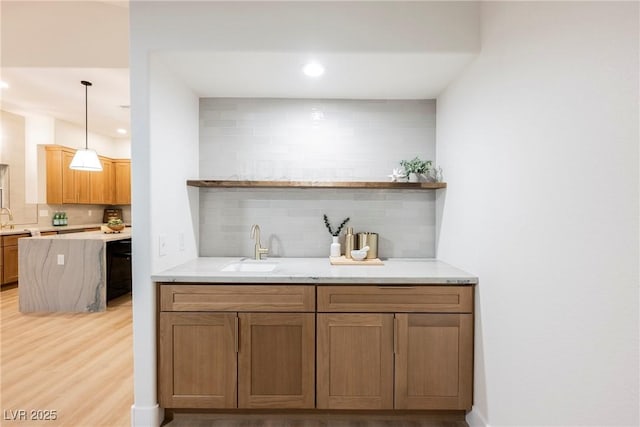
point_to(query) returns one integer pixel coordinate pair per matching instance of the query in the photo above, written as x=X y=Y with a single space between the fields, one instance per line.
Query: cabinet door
x=10 y=264
x=355 y=361
x=83 y=186
x=122 y=172
x=108 y=181
x=434 y=361
x=69 y=192
x=54 y=176
x=198 y=364
x=99 y=183
x=276 y=360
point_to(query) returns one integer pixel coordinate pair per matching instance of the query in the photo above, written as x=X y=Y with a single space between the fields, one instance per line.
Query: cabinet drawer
x=396 y=298
x=237 y=298
x=12 y=239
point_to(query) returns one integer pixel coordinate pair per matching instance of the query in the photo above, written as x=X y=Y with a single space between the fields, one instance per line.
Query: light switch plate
x=60 y=259
x=43 y=212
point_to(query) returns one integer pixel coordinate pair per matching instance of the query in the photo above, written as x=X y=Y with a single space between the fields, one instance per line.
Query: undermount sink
x=250 y=267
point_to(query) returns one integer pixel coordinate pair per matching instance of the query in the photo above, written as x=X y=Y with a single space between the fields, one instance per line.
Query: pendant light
x=86 y=159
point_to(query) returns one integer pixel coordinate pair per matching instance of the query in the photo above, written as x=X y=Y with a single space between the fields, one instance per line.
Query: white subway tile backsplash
x=319 y=140
x=292 y=219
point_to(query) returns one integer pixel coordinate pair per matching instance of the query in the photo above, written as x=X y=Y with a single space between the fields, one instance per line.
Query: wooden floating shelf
x=206 y=183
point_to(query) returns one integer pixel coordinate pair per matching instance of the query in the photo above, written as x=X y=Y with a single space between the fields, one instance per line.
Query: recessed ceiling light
x=313 y=69
x=4 y=85
x=121 y=131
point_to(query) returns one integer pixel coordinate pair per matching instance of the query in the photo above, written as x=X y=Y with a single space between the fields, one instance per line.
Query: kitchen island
x=66 y=272
x=300 y=333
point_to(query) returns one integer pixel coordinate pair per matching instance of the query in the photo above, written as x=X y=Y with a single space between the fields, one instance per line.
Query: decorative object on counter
x=359 y=254
x=335 y=249
x=116 y=225
x=110 y=213
x=335 y=245
x=349 y=242
x=59 y=219
x=86 y=159
x=342 y=260
x=338 y=230
x=415 y=167
x=397 y=175
x=370 y=240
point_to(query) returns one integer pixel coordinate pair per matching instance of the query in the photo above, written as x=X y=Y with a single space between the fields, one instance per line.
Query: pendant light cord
x=86 y=113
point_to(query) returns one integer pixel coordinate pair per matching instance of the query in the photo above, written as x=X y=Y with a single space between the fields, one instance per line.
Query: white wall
x=164 y=153
x=70 y=135
x=174 y=159
x=539 y=139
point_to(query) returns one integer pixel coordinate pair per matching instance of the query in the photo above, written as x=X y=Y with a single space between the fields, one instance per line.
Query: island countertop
x=88 y=235
x=319 y=271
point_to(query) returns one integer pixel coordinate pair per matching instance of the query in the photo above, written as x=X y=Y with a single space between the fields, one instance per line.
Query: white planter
x=335 y=247
x=413 y=177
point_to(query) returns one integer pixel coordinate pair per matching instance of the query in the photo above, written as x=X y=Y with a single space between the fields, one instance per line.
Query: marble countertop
x=21 y=229
x=87 y=235
x=318 y=271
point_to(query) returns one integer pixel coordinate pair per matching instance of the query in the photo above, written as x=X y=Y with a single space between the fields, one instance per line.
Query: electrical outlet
x=181 y=241
x=162 y=245
x=43 y=212
x=60 y=259
x=89 y=212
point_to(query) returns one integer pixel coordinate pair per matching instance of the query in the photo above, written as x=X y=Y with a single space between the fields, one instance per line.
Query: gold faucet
x=259 y=250
x=3 y=225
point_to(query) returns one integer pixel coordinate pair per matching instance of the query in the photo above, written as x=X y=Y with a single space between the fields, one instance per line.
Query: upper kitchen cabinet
x=68 y=186
x=102 y=183
x=122 y=173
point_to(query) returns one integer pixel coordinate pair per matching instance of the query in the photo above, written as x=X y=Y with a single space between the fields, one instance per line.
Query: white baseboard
x=146 y=416
x=475 y=419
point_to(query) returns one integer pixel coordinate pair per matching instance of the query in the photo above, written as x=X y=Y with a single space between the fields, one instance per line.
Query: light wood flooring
x=77 y=364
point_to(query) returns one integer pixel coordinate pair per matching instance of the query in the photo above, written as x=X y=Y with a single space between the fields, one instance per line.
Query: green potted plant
x=415 y=167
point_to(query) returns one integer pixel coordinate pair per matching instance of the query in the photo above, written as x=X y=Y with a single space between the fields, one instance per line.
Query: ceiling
x=347 y=75
x=57 y=92
x=383 y=50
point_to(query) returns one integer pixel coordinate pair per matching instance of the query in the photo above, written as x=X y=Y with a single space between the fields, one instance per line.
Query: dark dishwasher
x=118 y=268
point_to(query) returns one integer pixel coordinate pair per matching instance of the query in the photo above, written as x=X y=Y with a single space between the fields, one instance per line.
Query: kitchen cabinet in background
x=122 y=183
x=10 y=257
x=112 y=185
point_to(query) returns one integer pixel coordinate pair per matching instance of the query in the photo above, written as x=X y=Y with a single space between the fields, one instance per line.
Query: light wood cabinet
x=272 y=346
x=355 y=361
x=401 y=347
x=428 y=332
x=276 y=363
x=434 y=361
x=112 y=185
x=102 y=183
x=10 y=257
x=198 y=362
x=122 y=174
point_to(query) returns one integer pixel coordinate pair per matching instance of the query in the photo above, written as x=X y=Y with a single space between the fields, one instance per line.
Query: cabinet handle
x=396 y=287
x=395 y=335
x=236 y=328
